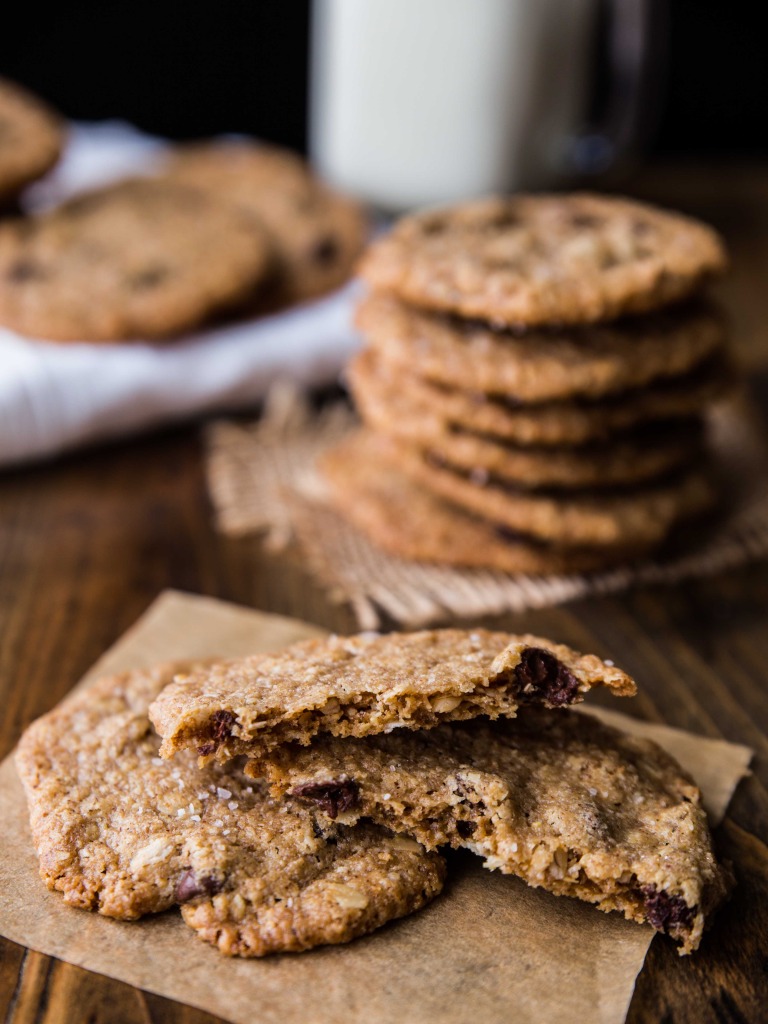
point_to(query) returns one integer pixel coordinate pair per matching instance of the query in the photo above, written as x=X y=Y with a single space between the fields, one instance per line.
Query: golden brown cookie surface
x=562 y=801
x=545 y=259
x=361 y=684
x=139 y=259
x=31 y=139
x=539 y=366
x=374 y=382
x=121 y=831
x=633 y=516
x=316 y=233
x=412 y=523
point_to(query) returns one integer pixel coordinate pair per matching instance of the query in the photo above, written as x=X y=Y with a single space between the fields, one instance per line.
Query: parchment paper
x=489 y=949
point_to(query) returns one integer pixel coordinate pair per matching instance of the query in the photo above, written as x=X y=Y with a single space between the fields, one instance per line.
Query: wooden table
x=88 y=542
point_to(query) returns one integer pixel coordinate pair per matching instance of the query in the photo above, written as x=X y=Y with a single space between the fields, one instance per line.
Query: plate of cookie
x=142 y=282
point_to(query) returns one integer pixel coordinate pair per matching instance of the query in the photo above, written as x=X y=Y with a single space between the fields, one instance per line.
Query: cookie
x=316 y=233
x=410 y=522
x=120 y=831
x=669 y=401
x=31 y=139
x=630 y=459
x=140 y=259
x=642 y=515
x=530 y=260
x=562 y=801
x=356 y=685
x=539 y=366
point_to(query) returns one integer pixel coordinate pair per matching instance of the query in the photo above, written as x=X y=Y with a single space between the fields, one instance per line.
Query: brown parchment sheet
x=488 y=949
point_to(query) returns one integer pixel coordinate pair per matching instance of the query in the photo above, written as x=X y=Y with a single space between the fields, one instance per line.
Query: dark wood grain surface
x=87 y=543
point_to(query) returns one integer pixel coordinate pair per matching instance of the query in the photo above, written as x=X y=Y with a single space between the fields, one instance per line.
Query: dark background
x=190 y=69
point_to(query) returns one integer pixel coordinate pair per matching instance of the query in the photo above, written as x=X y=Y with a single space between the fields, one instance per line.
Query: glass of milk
x=417 y=102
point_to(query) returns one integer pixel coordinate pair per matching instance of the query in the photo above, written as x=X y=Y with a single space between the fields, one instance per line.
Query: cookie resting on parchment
x=361 y=684
x=120 y=831
x=560 y=800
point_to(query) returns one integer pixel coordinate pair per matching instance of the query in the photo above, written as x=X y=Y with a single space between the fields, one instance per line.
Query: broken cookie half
x=560 y=800
x=120 y=831
x=367 y=684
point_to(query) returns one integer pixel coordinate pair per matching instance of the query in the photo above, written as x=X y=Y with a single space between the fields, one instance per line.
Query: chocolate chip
x=506 y=533
x=325 y=251
x=584 y=220
x=501 y=221
x=333 y=797
x=85 y=203
x=25 y=270
x=466 y=828
x=151 y=277
x=220 y=730
x=190 y=886
x=665 y=912
x=434 y=225
x=541 y=678
x=222 y=725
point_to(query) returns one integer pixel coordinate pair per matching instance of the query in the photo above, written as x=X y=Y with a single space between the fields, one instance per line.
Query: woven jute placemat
x=262 y=479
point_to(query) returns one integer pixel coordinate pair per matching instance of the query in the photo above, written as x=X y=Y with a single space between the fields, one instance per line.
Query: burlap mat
x=261 y=478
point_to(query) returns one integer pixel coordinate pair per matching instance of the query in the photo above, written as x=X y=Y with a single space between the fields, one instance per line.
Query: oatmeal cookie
x=635 y=515
x=539 y=366
x=31 y=139
x=529 y=260
x=361 y=684
x=561 y=801
x=120 y=831
x=316 y=233
x=411 y=523
x=139 y=259
x=374 y=383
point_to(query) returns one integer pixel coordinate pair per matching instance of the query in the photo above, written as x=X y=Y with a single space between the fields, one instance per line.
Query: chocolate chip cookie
x=375 y=383
x=530 y=260
x=539 y=366
x=140 y=259
x=31 y=139
x=561 y=801
x=123 y=832
x=356 y=685
x=641 y=456
x=640 y=515
x=316 y=233
x=410 y=522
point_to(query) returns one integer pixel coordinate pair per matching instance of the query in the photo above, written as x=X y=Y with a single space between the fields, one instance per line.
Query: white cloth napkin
x=54 y=397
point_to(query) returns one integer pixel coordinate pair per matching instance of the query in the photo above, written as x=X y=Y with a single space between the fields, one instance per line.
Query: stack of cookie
x=362 y=758
x=533 y=386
